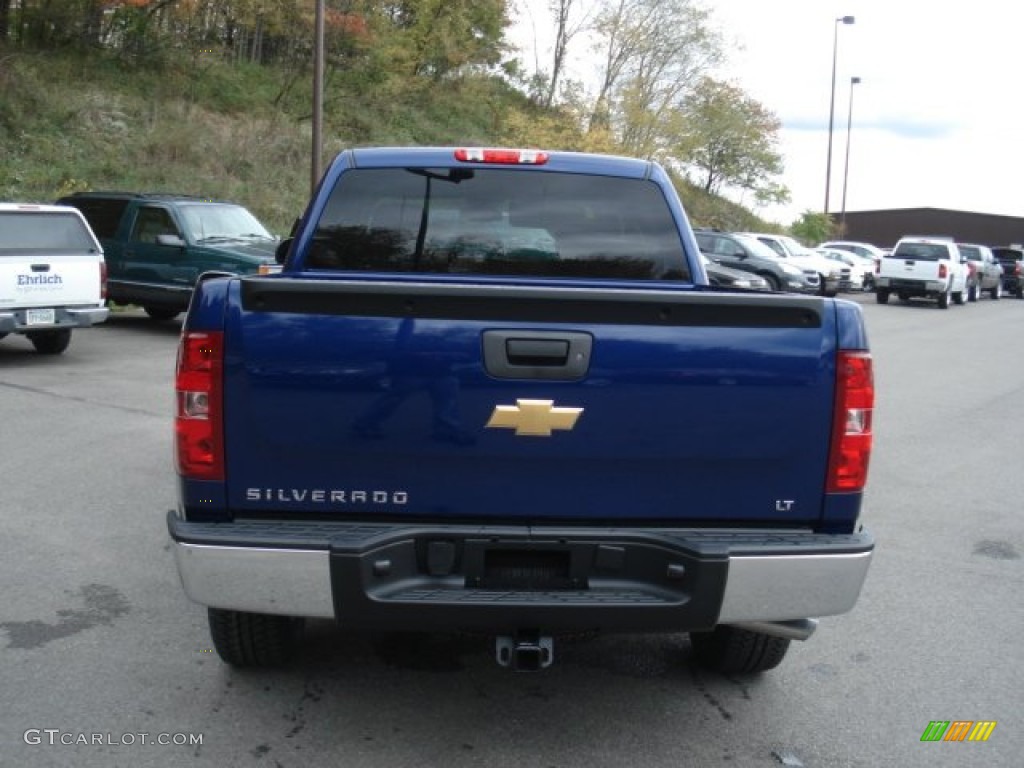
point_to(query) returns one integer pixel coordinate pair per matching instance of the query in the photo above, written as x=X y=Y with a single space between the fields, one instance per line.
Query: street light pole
x=846 y=168
x=832 y=104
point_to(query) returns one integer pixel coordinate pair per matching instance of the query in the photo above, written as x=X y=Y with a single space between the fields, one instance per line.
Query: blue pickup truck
x=492 y=391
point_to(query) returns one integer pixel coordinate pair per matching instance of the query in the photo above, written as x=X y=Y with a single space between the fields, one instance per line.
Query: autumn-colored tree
x=437 y=38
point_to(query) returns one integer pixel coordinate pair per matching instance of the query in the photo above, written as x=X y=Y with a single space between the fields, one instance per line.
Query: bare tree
x=655 y=52
x=618 y=26
x=565 y=30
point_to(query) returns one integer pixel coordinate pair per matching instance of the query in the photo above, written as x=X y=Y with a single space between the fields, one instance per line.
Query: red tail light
x=851 y=426
x=198 y=419
x=103 y=281
x=943 y=271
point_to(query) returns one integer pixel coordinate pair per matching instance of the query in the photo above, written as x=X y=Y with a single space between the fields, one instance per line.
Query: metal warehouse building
x=885 y=227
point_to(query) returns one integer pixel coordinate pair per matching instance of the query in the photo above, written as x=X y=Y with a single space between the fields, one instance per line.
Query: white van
x=52 y=274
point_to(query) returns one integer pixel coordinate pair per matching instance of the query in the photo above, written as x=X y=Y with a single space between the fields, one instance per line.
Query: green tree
x=812 y=227
x=729 y=139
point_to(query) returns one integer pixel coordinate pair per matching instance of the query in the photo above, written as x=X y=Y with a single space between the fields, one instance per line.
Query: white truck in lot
x=923 y=267
x=52 y=274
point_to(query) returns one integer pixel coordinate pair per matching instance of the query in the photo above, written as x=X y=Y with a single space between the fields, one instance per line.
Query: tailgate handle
x=40 y=267
x=537 y=351
x=547 y=355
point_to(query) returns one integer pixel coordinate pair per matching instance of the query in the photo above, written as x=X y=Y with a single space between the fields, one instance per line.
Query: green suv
x=157 y=245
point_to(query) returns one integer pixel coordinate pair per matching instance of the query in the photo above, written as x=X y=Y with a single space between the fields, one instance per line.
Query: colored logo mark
x=958 y=730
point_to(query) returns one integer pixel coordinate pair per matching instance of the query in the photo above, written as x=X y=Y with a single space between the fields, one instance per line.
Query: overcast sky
x=938 y=118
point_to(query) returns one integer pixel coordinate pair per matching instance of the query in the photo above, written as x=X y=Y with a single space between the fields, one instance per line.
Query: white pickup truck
x=52 y=274
x=923 y=267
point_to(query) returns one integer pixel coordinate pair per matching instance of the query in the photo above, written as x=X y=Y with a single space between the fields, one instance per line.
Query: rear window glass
x=499 y=222
x=920 y=251
x=43 y=232
x=103 y=214
x=1008 y=254
x=970 y=252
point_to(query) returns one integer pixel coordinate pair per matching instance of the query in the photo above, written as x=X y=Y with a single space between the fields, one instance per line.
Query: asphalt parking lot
x=99 y=642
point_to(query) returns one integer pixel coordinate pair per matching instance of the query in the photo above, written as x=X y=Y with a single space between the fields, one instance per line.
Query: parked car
x=726 y=277
x=834 y=277
x=1011 y=260
x=923 y=267
x=751 y=255
x=157 y=245
x=985 y=273
x=862 y=269
x=866 y=250
x=52 y=275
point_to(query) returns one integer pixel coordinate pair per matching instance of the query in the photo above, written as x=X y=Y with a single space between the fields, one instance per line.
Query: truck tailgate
x=42 y=280
x=360 y=399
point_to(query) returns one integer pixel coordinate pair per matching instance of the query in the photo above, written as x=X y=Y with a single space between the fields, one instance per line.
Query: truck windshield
x=499 y=222
x=38 y=232
x=218 y=221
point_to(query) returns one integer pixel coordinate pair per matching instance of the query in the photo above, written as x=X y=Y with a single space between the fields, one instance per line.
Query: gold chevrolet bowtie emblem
x=533 y=417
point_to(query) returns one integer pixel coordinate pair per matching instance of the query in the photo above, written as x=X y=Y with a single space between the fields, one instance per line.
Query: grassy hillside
x=72 y=122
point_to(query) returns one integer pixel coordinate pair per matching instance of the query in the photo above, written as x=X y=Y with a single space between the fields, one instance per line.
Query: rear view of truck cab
x=52 y=275
x=493 y=391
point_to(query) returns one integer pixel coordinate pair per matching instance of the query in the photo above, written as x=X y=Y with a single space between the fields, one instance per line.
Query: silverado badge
x=533 y=417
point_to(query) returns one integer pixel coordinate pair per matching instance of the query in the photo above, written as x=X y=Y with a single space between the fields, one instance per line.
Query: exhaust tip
x=795 y=629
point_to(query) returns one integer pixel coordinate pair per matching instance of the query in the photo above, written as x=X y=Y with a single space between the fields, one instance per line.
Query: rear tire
x=944 y=300
x=50 y=342
x=161 y=313
x=959 y=298
x=974 y=292
x=253 y=639
x=731 y=650
x=882 y=295
x=997 y=291
x=772 y=280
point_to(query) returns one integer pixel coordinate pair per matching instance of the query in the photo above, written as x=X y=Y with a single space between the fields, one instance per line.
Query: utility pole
x=318 y=96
